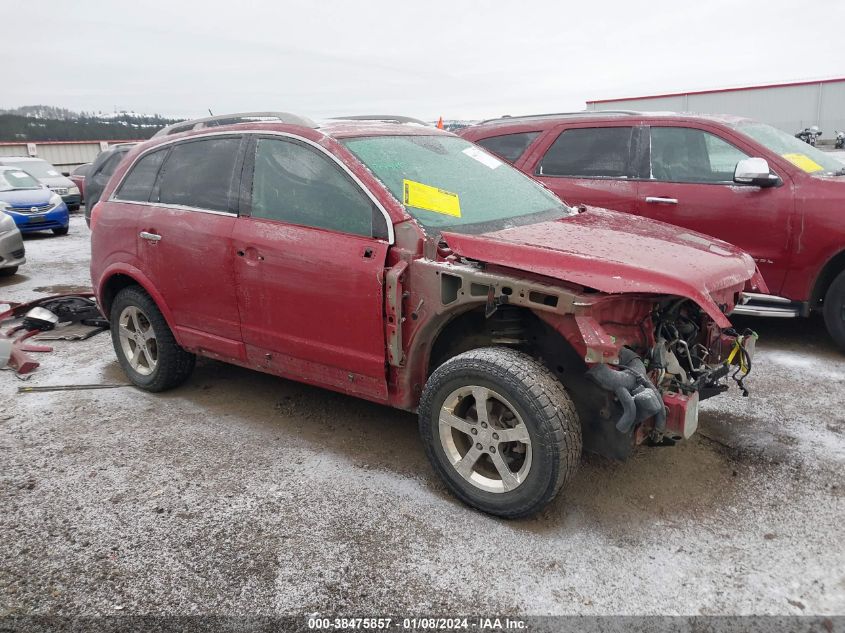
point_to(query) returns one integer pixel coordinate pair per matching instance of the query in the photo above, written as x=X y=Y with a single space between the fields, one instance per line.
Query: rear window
x=138 y=185
x=598 y=152
x=508 y=146
x=200 y=174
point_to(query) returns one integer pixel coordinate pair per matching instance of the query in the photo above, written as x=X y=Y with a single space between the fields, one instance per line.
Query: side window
x=680 y=154
x=508 y=146
x=200 y=174
x=296 y=184
x=596 y=152
x=138 y=184
x=108 y=167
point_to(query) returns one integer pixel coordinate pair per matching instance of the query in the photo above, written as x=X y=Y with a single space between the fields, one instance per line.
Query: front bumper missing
x=666 y=416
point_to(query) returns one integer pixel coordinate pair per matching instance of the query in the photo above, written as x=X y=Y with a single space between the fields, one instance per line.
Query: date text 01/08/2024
x=420 y=623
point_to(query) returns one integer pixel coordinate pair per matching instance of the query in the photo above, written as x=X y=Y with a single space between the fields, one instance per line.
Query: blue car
x=32 y=206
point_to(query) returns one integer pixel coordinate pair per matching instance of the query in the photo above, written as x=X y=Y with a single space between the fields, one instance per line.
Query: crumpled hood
x=617 y=253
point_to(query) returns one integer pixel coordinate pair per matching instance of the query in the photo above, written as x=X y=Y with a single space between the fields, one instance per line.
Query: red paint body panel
x=615 y=253
x=309 y=294
x=792 y=231
x=192 y=267
x=79 y=181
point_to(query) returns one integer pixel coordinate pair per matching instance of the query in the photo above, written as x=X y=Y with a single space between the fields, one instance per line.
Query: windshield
x=446 y=181
x=15 y=179
x=796 y=151
x=38 y=168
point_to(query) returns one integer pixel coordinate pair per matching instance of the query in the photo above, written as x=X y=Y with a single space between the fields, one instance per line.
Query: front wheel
x=834 y=310
x=144 y=343
x=500 y=430
x=8 y=272
x=61 y=231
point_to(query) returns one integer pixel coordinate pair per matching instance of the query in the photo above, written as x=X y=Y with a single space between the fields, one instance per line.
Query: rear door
x=310 y=254
x=586 y=164
x=185 y=242
x=691 y=185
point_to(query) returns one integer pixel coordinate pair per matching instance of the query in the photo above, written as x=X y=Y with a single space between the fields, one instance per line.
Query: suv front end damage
x=685 y=358
x=637 y=365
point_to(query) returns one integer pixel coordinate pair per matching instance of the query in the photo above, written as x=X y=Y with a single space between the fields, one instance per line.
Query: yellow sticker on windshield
x=804 y=162
x=431 y=198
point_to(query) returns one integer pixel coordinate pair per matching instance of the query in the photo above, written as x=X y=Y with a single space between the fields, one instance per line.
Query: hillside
x=50 y=123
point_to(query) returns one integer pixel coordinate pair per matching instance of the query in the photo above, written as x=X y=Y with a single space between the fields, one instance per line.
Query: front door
x=691 y=185
x=309 y=270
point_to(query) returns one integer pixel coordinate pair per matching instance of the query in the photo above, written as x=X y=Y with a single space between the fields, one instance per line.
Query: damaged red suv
x=401 y=264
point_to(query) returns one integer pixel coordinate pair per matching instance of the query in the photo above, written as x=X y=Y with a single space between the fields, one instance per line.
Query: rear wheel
x=8 y=272
x=501 y=431
x=144 y=343
x=61 y=231
x=834 y=310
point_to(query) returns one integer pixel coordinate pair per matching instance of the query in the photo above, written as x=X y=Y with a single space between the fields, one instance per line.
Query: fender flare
x=142 y=280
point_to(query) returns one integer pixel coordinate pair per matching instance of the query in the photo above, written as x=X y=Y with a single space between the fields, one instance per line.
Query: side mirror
x=65 y=174
x=755 y=171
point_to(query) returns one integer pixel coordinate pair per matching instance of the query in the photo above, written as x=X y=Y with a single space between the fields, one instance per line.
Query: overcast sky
x=458 y=59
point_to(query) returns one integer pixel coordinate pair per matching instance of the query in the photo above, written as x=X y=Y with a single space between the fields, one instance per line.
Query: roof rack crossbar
x=388 y=118
x=236 y=118
x=508 y=117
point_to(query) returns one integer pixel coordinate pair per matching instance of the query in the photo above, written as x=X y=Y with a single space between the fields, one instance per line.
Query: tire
x=524 y=400
x=834 y=310
x=161 y=364
x=8 y=272
x=61 y=231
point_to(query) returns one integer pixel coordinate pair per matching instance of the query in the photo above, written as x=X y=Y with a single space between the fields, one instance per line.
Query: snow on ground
x=244 y=493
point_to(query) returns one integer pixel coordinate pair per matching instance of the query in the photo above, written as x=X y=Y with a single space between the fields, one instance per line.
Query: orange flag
x=440 y=123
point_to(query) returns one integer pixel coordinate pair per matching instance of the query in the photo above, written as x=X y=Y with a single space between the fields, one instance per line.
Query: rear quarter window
x=508 y=146
x=138 y=184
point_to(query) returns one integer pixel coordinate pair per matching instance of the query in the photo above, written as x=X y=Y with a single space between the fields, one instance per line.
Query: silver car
x=11 y=246
x=48 y=175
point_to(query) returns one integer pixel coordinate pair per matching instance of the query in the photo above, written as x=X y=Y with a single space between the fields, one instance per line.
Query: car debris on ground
x=71 y=317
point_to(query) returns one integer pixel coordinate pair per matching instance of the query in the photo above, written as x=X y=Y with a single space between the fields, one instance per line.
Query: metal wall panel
x=790 y=107
x=65 y=156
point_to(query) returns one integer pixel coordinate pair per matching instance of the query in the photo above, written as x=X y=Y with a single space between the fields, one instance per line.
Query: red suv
x=745 y=182
x=404 y=265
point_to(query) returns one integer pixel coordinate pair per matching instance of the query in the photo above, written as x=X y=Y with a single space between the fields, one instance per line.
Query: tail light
x=93 y=216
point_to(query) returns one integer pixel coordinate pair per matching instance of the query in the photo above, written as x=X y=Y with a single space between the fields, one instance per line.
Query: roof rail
x=231 y=119
x=389 y=118
x=508 y=117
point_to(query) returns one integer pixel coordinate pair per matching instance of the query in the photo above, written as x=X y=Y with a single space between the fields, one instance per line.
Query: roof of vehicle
x=541 y=121
x=342 y=127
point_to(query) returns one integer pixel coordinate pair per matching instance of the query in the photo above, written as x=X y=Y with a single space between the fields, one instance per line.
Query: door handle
x=659 y=200
x=152 y=237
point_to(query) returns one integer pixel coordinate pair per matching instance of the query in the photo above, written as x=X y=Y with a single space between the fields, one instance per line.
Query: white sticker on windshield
x=51 y=172
x=19 y=174
x=483 y=157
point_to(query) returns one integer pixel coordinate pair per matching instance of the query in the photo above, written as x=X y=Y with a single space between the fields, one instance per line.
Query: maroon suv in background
x=745 y=182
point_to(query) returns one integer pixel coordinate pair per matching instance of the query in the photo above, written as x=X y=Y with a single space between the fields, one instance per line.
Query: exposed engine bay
x=690 y=359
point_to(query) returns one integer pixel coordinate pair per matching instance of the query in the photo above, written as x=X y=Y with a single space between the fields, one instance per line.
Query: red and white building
x=788 y=106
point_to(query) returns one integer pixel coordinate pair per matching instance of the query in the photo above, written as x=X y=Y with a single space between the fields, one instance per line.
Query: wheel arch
x=832 y=268
x=510 y=326
x=116 y=279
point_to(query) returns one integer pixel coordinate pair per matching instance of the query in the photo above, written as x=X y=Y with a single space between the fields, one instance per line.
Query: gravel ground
x=244 y=493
